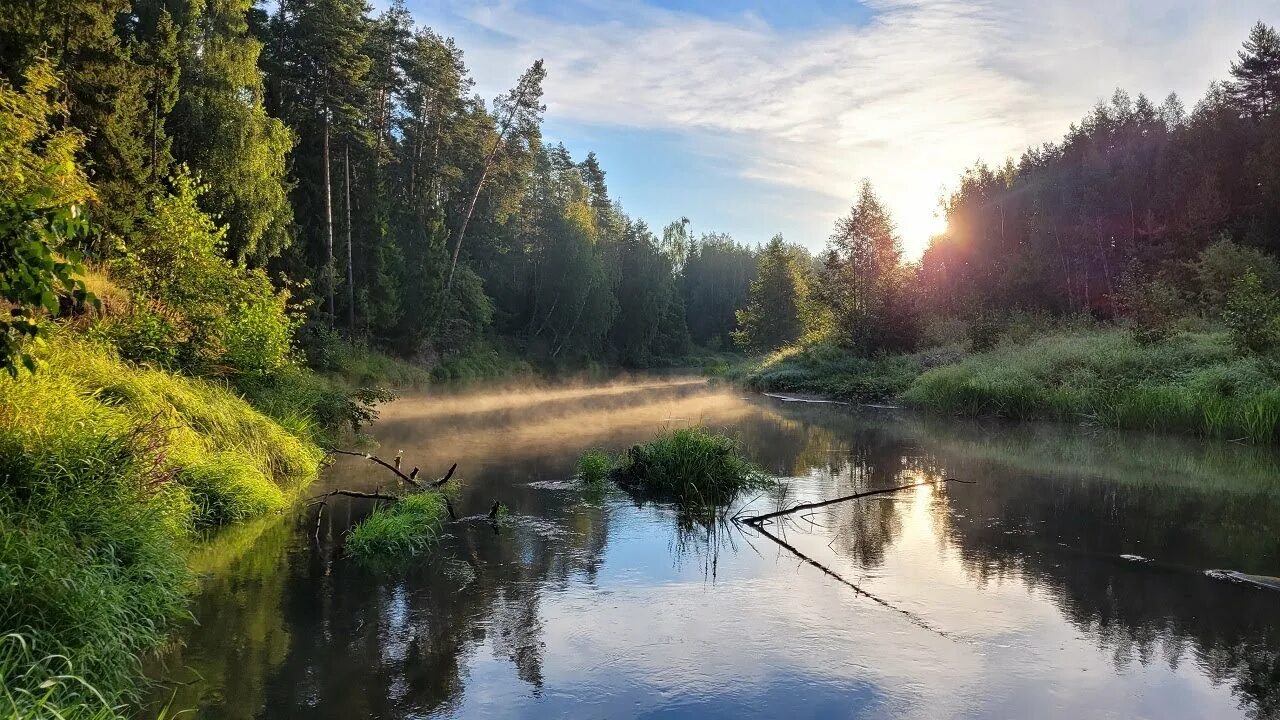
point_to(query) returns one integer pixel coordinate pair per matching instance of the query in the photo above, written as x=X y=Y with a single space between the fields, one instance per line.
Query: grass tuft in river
x=595 y=466
x=689 y=465
x=404 y=529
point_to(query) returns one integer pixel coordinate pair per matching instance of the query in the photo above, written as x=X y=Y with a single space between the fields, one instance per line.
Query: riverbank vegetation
x=1126 y=277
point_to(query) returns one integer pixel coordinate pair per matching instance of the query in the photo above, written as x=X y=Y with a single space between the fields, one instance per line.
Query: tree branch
x=757 y=519
x=409 y=480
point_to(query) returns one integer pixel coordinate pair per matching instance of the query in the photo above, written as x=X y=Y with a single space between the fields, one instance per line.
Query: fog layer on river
x=1066 y=582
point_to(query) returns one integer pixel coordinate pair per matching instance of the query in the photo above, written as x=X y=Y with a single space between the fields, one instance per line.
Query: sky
x=754 y=118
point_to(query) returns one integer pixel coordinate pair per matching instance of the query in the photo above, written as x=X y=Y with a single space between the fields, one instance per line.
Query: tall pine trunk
x=351 y=278
x=328 y=221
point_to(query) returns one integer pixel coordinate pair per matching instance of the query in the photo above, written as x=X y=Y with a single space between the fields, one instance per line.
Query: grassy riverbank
x=1191 y=382
x=107 y=470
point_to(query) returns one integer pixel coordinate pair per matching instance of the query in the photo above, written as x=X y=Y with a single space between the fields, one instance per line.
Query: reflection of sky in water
x=600 y=609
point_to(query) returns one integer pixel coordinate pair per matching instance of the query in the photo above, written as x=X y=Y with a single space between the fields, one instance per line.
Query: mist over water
x=1010 y=597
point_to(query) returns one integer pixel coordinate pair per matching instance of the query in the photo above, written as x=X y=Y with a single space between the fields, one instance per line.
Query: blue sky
x=754 y=117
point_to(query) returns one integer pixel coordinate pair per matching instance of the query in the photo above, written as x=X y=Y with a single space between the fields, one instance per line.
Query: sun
x=916 y=234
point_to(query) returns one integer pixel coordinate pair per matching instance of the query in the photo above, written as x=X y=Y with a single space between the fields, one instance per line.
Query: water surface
x=1066 y=582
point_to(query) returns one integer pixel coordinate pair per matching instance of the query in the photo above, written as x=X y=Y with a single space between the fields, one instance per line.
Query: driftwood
x=757 y=519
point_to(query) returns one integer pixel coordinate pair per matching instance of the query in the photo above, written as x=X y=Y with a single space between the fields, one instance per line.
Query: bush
x=1253 y=314
x=1223 y=263
x=690 y=465
x=193 y=309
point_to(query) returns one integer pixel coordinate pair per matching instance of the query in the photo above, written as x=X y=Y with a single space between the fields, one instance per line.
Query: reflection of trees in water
x=361 y=645
x=1134 y=611
x=1031 y=497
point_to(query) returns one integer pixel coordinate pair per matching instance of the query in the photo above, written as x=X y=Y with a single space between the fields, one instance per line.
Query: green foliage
x=399 y=531
x=1253 y=314
x=1220 y=265
x=41 y=192
x=1152 y=307
x=779 y=303
x=1189 y=383
x=692 y=466
x=31 y=274
x=244 y=160
x=595 y=466
x=105 y=469
x=194 y=309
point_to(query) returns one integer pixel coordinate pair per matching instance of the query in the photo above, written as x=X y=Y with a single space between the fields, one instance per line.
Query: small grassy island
x=690 y=466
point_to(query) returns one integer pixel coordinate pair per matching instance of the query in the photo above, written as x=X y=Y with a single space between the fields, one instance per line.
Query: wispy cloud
x=908 y=98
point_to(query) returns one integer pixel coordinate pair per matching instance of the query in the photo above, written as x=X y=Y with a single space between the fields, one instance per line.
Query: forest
x=229 y=228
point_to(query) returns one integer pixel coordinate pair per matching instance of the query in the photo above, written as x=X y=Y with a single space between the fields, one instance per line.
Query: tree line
x=1143 y=213
x=345 y=156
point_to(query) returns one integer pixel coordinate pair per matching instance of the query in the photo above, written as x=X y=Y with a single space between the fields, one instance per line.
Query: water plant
x=400 y=530
x=595 y=466
x=691 y=465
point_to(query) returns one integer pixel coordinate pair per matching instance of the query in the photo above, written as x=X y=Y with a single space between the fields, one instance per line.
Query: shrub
x=1253 y=314
x=220 y=317
x=690 y=465
x=1221 y=264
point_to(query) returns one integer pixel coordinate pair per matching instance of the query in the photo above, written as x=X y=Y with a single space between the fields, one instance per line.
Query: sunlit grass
x=407 y=528
x=1192 y=383
x=105 y=471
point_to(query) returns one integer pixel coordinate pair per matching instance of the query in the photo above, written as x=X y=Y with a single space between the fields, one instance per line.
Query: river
x=1067 y=581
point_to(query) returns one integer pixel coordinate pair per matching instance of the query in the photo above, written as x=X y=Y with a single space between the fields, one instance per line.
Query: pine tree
x=319 y=55
x=1256 y=90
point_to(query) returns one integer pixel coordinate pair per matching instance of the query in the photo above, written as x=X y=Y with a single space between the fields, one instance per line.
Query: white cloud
x=910 y=98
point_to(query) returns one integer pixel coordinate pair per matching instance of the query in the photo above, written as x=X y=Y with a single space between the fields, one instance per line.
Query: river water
x=1067 y=581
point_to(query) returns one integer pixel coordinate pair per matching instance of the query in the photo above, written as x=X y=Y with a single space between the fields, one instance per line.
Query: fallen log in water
x=757 y=519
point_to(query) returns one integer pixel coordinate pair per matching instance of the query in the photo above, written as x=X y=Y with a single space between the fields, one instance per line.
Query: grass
x=1192 y=383
x=595 y=466
x=693 y=466
x=403 y=530
x=830 y=371
x=106 y=470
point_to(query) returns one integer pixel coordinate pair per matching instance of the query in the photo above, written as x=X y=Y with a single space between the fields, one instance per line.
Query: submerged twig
x=757 y=519
x=358 y=494
x=832 y=573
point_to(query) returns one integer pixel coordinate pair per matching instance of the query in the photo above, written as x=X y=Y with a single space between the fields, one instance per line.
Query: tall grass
x=399 y=531
x=831 y=371
x=690 y=465
x=595 y=466
x=105 y=471
x=1191 y=383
